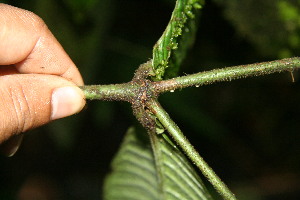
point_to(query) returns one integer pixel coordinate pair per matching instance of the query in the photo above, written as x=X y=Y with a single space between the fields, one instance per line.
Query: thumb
x=31 y=100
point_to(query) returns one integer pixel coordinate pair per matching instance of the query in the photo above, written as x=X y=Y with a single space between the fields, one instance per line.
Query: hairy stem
x=142 y=94
x=190 y=151
x=112 y=92
x=228 y=74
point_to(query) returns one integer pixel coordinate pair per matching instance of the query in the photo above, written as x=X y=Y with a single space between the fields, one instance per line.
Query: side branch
x=189 y=150
x=228 y=74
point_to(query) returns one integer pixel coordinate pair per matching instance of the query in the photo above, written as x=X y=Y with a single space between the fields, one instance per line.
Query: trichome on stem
x=142 y=93
x=141 y=89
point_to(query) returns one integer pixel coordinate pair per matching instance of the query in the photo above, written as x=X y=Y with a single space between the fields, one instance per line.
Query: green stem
x=228 y=74
x=112 y=92
x=190 y=151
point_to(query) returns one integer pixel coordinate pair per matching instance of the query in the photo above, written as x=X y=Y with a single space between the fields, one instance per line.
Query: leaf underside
x=170 y=50
x=136 y=174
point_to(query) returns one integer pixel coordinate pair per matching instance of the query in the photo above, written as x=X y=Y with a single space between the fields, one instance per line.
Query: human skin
x=38 y=80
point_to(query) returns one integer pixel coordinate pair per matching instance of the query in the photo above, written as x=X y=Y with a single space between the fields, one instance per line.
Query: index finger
x=27 y=43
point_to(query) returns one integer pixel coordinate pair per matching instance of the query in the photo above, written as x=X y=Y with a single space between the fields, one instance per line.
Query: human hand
x=38 y=80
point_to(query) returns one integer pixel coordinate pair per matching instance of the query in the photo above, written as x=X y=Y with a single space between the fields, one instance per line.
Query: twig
x=227 y=74
x=190 y=151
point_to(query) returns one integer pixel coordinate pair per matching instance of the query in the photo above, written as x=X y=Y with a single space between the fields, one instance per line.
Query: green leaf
x=138 y=174
x=170 y=49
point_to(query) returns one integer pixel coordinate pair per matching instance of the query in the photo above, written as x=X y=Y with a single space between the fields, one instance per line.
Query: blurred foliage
x=273 y=26
x=247 y=130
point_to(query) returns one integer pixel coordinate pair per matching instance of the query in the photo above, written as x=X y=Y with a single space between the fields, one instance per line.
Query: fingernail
x=66 y=101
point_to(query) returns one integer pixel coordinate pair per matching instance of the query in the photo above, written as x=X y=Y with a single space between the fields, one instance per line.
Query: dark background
x=247 y=130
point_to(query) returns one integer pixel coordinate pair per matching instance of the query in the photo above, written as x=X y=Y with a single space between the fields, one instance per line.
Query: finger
x=26 y=40
x=31 y=100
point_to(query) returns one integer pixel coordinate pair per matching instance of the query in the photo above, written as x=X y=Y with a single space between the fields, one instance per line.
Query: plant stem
x=228 y=74
x=190 y=151
x=112 y=92
x=142 y=93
